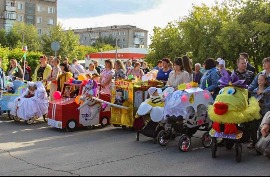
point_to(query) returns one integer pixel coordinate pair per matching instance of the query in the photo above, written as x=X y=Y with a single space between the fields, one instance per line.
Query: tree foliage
x=223 y=30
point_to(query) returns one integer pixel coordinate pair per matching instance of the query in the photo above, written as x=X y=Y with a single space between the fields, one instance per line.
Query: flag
x=24 y=55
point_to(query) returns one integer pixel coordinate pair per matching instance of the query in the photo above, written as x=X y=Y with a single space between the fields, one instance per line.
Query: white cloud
x=167 y=11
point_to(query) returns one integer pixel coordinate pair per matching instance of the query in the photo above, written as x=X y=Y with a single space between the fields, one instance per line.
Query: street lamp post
x=116 y=45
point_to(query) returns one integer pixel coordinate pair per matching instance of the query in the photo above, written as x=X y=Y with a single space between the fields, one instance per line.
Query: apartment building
x=40 y=13
x=126 y=36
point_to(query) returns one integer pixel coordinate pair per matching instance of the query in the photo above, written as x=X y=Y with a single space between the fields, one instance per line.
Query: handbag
x=263 y=146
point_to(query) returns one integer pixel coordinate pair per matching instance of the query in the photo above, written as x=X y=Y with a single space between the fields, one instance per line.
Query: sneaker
x=251 y=146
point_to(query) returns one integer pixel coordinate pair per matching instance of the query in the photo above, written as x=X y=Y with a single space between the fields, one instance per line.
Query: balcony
x=10 y=16
x=11 y=8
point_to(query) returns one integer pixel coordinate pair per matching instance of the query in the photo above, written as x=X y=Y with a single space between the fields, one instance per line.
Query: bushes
x=17 y=53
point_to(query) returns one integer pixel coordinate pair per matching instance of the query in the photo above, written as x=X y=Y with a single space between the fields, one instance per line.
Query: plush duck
x=231 y=106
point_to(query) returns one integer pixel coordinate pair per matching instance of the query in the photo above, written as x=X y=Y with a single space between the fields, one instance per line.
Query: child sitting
x=155 y=98
x=31 y=90
x=10 y=88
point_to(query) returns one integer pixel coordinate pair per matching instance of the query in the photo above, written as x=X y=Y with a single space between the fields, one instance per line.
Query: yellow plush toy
x=231 y=106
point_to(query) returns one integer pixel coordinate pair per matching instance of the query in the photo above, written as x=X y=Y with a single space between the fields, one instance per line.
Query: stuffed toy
x=231 y=106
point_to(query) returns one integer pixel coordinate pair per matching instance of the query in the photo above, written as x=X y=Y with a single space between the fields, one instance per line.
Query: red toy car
x=64 y=113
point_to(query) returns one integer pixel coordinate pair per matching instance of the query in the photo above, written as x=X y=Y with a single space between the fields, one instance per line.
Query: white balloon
x=144 y=109
x=156 y=114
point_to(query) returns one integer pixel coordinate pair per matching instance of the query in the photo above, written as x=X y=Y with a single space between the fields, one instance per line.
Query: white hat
x=222 y=62
x=10 y=84
x=30 y=84
x=152 y=90
x=219 y=59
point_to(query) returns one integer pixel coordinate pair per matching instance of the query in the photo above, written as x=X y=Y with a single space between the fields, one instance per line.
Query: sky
x=145 y=14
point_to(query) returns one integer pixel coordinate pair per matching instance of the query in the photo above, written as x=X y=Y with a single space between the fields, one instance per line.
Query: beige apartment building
x=40 y=13
x=126 y=36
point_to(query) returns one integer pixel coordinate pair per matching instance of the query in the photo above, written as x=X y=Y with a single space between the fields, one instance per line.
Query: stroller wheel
x=30 y=121
x=163 y=138
x=238 y=149
x=214 y=147
x=16 y=119
x=10 y=116
x=45 y=118
x=206 y=140
x=184 y=143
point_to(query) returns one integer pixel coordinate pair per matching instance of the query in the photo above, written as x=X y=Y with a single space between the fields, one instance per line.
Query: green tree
x=3 y=38
x=24 y=35
x=167 y=42
x=67 y=39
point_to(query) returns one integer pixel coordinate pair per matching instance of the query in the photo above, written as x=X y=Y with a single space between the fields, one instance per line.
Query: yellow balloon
x=82 y=77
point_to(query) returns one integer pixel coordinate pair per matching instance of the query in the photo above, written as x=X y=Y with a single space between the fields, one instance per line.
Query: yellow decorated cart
x=129 y=94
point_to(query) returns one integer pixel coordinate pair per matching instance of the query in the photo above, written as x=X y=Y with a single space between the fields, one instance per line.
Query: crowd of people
x=54 y=72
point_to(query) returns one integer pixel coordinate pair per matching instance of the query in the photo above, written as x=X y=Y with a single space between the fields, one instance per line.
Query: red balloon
x=57 y=95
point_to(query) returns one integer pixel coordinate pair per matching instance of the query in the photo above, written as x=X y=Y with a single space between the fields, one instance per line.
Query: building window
x=12 y=4
x=20 y=18
x=50 y=22
x=39 y=20
x=20 y=6
x=40 y=31
x=124 y=39
x=39 y=8
x=51 y=10
x=124 y=33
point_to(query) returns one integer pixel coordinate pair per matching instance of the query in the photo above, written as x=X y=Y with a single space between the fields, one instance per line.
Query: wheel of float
x=45 y=118
x=104 y=122
x=238 y=149
x=16 y=119
x=71 y=125
x=206 y=140
x=117 y=126
x=10 y=116
x=163 y=138
x=229 y=144
x=214 y=147
x=124 y=127
x=30 y=121
x=184 y=143
x=137 y=136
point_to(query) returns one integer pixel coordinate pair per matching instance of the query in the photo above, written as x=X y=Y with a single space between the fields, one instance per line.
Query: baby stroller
x=31 y=109
x=149 y=119
x=7 y=99
x=185 y=113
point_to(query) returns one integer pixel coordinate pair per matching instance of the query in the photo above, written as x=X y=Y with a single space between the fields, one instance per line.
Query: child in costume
x=10 y=88
x=155 y=98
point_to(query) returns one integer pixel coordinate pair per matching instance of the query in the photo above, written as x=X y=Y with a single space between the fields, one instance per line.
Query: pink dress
x=104 y=76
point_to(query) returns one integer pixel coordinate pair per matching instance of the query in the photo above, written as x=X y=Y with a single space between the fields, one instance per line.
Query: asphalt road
x=37 y=150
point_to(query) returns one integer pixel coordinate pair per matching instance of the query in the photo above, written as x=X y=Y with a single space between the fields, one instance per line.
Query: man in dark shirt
x=242 y=72
x=249 y=66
